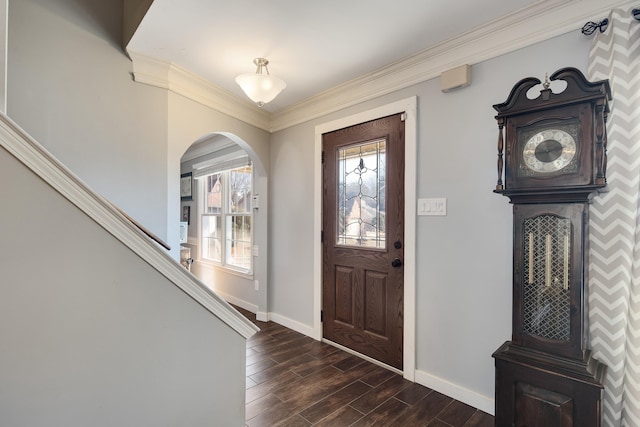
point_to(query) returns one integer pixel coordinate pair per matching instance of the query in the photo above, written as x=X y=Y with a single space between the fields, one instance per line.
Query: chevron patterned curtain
x=614 y=283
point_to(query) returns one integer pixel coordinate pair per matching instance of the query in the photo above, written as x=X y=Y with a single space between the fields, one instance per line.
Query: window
x=361 y=194
x=226 y=218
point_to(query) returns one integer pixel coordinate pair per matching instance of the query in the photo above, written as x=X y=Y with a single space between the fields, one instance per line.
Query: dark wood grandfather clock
x=553 y=151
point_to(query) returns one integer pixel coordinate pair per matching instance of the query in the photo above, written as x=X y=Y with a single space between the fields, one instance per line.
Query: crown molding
x=167 y=75
x=540 y=21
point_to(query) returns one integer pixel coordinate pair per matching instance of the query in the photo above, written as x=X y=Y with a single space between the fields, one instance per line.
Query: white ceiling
x=312 y=45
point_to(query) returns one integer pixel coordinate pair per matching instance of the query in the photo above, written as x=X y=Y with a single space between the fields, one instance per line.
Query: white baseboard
x=464 y=395
x=266 y=317
x=470 y=397
x=238 y=302
x=292 y=324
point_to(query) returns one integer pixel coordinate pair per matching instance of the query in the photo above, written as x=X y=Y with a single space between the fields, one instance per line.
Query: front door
x=363 y=238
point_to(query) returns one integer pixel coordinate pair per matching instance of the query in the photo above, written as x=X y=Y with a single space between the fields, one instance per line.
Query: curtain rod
x=591 y=27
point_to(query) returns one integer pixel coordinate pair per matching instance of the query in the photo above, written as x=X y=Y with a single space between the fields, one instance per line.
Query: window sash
x=226 y=219
x=211 y=237
x=238 y=240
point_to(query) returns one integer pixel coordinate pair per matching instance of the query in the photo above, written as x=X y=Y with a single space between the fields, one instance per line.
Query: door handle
x=396 y=263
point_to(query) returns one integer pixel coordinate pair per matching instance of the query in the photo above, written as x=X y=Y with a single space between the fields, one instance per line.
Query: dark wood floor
x=293 y=380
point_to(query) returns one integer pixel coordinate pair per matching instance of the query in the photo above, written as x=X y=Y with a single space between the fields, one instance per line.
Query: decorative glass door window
x=361 y=195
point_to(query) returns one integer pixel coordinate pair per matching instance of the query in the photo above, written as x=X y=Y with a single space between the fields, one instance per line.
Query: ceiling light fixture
x=260 y=88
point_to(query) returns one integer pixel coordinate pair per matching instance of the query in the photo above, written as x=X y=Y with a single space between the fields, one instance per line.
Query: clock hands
x=548 y=151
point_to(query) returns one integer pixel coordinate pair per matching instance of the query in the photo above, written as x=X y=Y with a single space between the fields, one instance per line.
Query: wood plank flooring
x=293 y=380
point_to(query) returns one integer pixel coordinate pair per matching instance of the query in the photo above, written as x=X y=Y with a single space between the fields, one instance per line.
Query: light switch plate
x=432 y=206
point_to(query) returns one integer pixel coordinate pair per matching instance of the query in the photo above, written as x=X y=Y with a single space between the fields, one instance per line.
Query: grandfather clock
x=552 y=153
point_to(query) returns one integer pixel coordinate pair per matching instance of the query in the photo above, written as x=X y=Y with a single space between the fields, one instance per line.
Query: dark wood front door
x=363 y=238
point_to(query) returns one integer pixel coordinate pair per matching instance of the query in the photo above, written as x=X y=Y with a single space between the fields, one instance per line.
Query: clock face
x=548 y=151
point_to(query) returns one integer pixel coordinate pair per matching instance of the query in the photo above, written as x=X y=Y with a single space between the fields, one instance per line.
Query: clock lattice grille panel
x=546 y=297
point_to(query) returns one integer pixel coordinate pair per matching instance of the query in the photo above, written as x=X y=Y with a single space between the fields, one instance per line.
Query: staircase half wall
x=99 y=326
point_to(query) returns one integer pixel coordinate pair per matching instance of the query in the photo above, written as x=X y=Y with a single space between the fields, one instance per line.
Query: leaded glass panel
x=361 y=194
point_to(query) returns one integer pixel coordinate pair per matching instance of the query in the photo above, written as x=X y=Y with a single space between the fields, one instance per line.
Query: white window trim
x=200 y=188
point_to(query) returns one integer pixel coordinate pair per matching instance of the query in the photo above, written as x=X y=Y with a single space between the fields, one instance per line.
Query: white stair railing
x=33 y=155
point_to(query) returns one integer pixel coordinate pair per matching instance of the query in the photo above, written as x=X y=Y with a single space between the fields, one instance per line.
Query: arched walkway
x=218 y=151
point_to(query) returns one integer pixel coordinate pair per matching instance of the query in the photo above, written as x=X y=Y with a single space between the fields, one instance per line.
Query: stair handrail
x=44 y=164
x=144 y=229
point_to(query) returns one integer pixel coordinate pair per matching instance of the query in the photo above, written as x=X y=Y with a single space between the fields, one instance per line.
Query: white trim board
x=362 y=356
x=237 y=301
x=260 y=315
x=470 y=397
x=408 y=106
x=167 y=75
x=4 y=32
x=540 y=21
x=34 y=156
x=455 y=391
x=294 y=325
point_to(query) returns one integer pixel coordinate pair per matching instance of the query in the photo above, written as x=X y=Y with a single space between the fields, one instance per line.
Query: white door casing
x=409 y=107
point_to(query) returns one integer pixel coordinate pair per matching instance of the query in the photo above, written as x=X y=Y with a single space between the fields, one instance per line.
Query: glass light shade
x=260 y=88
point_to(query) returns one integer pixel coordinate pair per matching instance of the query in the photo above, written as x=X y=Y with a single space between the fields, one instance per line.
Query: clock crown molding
x=540 y=21
x=534 y=158
x=578 y=89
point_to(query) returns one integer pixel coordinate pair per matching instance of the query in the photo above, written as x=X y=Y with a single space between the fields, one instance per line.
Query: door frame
x=409 y=107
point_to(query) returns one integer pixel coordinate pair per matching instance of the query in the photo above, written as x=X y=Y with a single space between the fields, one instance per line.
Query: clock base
x=535 y=388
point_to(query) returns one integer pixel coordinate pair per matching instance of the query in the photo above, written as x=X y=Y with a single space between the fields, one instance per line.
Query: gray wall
x=189 y=122
x=237 y=287
x=80 y=311
x=70 y=86
x=92 y=335
x=464 y=259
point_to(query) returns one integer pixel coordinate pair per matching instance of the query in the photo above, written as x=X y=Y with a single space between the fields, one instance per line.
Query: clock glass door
x=548 y=276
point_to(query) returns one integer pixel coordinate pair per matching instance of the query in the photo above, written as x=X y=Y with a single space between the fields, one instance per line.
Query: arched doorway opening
x=225 y=211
